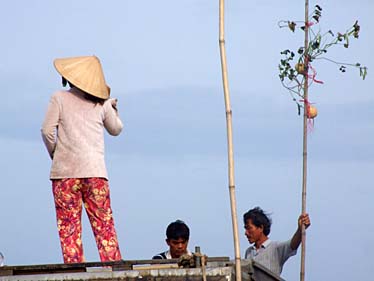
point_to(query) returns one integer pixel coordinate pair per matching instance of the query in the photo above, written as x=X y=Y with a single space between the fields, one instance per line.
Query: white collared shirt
x=168 y=255
x=271 y=254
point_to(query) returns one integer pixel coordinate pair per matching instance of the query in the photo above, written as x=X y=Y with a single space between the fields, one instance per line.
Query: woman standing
x=73 y=133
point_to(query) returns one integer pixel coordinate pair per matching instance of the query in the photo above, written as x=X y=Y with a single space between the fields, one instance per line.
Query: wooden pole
x=305 y=140
x=229 y=139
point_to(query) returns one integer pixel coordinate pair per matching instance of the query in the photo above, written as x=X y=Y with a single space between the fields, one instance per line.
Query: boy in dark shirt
x=177 y=236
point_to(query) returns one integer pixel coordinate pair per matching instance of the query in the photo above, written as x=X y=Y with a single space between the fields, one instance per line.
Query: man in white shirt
x=271 y=254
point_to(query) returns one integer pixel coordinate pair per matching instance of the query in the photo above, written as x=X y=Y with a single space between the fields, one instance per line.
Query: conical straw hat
x=85 y=73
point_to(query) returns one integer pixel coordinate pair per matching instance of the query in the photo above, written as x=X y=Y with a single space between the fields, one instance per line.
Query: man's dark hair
x=259 y=218
x=177 y=229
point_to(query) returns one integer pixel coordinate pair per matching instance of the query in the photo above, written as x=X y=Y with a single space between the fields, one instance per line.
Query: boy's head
x=177 y=236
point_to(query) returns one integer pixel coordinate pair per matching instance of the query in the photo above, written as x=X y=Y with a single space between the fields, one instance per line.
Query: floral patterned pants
x=94 y=193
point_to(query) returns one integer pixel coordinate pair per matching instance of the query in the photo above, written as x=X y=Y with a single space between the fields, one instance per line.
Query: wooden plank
x=105 y=274
x=82 y=267
x=5 y=272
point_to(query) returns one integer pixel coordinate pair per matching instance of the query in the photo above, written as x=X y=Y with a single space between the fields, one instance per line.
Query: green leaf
x=291 y=26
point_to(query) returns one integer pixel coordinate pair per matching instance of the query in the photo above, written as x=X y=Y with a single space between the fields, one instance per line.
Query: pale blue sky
x=161 y=59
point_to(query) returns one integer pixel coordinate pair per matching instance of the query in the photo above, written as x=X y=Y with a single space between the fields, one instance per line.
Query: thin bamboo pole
x=229 y=139
x=305 y=140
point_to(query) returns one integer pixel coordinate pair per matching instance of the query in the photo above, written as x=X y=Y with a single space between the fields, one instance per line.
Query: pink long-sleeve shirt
x=73 y=133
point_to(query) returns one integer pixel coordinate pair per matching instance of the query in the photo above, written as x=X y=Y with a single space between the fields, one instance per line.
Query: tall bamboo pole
x=305 y=140
x=229 y=139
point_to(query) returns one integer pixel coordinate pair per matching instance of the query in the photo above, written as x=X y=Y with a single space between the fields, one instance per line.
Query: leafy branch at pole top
x=295 y=67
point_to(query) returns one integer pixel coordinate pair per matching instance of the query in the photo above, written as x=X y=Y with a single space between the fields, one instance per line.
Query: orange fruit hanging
x=300 y=68
x=311 y=112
